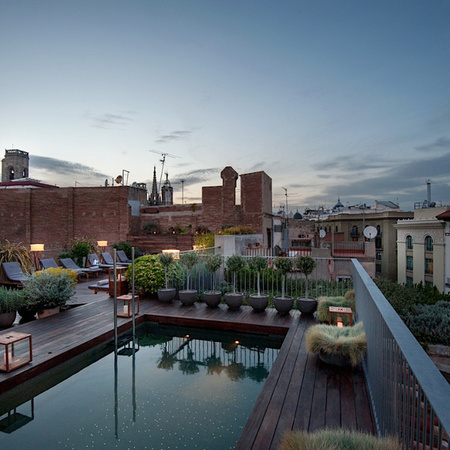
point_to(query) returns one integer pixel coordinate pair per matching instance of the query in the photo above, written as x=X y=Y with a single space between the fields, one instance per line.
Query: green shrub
x=48 y=289
x=324 y=303
x=204 y=240
x=149 y=274
x=347 y=342
x=239 y=229
x=430 y=324
x=336 y=439
x=151 y=227
x=11 y=299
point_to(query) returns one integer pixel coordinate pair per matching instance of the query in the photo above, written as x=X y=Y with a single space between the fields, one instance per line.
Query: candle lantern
x=15 y=350
x=124 y=305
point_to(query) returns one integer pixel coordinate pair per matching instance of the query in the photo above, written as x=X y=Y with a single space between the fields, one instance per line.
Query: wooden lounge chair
x=69 y=263
x=94 y=261
x=13 y=274
x=49 y=263
x=109 y=260
x=123 y=258
x=100 y=286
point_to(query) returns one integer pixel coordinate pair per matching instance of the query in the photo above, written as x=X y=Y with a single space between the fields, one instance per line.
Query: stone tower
x=15 y=165
x=167 y=192
x=154 y=196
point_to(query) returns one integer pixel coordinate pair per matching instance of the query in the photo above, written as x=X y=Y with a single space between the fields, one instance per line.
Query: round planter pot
x=212 y=298
x=187 y=298
x=307 y=306
x=283 y=304
x=258 y=302
x=166 y=295
x=7 y=319
x=27 y=313
x=48 y=312
x=334 y=360
x=234 y=300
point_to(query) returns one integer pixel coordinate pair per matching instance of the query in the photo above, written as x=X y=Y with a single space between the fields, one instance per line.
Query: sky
x=347 y=98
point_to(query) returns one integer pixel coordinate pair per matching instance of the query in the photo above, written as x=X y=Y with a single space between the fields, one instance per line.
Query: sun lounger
x=100 y=286
x=49 y=263
x=109 y=260
x=94 y=261
x=13 y=273
x=123 y=258
x=69 y=263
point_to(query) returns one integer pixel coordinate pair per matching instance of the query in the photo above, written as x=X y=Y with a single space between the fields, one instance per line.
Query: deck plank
x=299 y=393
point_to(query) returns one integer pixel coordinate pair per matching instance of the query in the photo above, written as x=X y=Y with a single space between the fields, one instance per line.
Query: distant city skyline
x=329 y=98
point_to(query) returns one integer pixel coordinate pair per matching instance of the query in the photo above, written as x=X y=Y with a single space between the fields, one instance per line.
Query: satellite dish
x=118 y=179
x=322 y=233
x=370 y=232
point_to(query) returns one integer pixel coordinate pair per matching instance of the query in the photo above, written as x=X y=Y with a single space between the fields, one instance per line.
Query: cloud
x=109 y=121
x=173 y=136
x=197 y=176
x=63 y=172
x=440 y=144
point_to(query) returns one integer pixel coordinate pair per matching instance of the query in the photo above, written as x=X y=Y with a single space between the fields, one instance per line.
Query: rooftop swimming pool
x=174 y=388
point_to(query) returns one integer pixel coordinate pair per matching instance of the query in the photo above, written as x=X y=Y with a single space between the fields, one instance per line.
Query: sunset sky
x=328 y=97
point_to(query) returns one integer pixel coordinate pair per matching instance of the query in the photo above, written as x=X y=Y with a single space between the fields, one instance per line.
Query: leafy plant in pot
x=48 y=290
x=284 y=303
x=166 y=294
x=306 y=304
x=234 y=299
x=212 y=264
x=188 y=296
x=258 y=301
x=10 y=301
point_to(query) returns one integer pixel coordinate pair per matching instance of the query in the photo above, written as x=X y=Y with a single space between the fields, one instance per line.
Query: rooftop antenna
x=182 y=191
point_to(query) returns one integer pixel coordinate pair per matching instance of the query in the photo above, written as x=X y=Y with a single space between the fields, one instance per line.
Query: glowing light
x=37 y=247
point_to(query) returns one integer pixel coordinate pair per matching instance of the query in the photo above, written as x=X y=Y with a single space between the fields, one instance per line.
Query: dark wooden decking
x=300 y=392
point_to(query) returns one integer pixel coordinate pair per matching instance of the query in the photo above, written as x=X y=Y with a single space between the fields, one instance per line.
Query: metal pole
x=133 y=320
x=115 y=299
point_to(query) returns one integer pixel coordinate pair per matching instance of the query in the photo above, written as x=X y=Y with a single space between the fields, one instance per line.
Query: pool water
x=178 y=388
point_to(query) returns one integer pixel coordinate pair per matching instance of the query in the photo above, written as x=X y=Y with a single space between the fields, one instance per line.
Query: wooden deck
x=300 y=392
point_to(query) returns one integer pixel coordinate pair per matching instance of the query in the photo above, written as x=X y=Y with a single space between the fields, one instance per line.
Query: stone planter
x=212 y=298
x=307 y=306
x=27 y=313
x=283 y=304
x=48 y=312
x=258 y=302
x=234 y=300
x=166 y=295
x=7 y=319
x=188 y=297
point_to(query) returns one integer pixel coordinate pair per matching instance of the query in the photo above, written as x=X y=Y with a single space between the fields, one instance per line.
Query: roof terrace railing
x=410 y=397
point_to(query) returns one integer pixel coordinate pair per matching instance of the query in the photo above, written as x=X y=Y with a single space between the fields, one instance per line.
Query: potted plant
x=10 y=301
x=48 y=290
x=337 y=346
x=257 y=301
x=283 y=303
x=306 y=304
x=212 y=298
x=188 y=296
x=166 y=294
x=234 y=299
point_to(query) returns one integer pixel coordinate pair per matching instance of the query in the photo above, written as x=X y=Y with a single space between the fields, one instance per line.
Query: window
x=409 y=263
x=409 y=281
x=377 y=268
x=378 y=230
x=378 y=242
x=409 y=243
x=428 y=244
x=354 y=230
x=428 y=266
x=378 y=256
x=336 y=229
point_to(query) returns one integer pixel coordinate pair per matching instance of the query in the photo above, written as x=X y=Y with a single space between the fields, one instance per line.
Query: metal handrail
x=410 y=396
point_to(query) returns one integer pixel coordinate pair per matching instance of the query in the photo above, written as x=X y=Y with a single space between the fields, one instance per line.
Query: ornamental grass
x=347 y=342
x=336 y=440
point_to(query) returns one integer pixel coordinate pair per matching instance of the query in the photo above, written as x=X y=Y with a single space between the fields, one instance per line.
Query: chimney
x=429 y=192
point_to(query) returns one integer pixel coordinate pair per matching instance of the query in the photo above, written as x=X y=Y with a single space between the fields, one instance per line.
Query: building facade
x=422 y=243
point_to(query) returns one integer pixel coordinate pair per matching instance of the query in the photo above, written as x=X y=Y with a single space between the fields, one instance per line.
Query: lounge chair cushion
x=13 y=271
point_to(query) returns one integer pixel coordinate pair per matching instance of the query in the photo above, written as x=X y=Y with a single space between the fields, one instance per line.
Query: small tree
x=258 y=263
x=212 y=264
x=234 y=264
x=305 y=264
x=166 y=260
x=284 y=265
x=189 y=260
